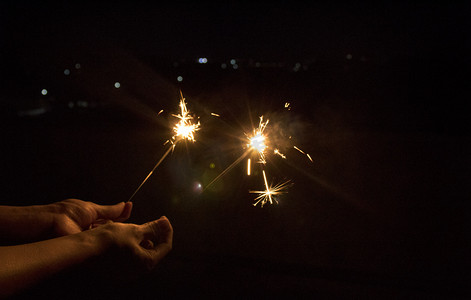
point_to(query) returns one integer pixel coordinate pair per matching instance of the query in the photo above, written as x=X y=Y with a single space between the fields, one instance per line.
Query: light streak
x=215 y=114
x=307 y=154
x=277 y=152
x=183 y=129
x=267 y=196
x=248 y=166
x=299 y=149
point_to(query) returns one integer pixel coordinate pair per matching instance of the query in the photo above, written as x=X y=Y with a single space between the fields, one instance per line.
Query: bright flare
x=257 y=140
x=185 y=128
x=267 y=196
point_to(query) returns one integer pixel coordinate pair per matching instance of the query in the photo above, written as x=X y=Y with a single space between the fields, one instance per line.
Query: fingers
x=159 y=236
x=118 y=212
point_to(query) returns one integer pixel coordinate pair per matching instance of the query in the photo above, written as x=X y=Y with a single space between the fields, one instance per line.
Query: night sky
x=379 y=97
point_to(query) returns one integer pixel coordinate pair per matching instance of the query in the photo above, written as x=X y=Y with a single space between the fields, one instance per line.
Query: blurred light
x=233 y=62
x=297 y=66
x=44 y=92
x=66 y=72
x=202 y=60
x=212 y=165
x=71 y=105
x=175 y=64
x=77 y=66
x=117 y=85
x=349 y=56
x=197 y=187
x=235 y=66
x=223 y=66
x=179 y=78
x=258 y=64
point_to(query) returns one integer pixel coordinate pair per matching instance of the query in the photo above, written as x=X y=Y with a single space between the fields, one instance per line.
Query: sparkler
x=258 y=143
x=183 y=129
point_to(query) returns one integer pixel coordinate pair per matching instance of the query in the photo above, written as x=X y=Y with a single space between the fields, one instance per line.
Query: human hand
x=73 y=215
x=130 y=249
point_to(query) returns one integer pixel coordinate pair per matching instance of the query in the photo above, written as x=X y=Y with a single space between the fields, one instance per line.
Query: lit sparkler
x=259 y=143
x=184 y=130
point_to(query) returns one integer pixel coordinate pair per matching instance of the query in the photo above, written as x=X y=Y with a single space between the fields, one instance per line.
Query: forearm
x=26 y=223
x=25 y=265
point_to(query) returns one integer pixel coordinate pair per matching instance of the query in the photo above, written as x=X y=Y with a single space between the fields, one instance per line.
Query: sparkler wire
x=150 y=173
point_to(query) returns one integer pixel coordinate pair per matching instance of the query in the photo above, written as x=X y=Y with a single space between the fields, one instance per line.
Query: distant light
x=349 y=56
x=66 y=72
x=258 y=64
x=202 y=60
x=212 y=165
x=223 y=66
x=233 y=62
x=82 y=104
x=117 y=85
x=297 y=66
x=77 y=66
x=235 y=66
x=179 y=78
x=71 y=104
x=44 y=92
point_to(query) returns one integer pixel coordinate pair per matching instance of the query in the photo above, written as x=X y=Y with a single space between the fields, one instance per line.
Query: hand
x=132 y=249
x=74 y=216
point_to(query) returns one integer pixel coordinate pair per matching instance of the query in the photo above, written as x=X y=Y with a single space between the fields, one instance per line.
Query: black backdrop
x=379 y=100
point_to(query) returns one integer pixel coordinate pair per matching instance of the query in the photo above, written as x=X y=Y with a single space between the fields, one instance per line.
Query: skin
x=70 y=233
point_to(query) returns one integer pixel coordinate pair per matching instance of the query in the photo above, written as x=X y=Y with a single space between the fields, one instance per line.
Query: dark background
x=379 y=99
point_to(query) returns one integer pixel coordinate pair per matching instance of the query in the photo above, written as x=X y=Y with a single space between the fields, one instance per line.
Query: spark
x=267 y=196
x=248 y=167
x=307 y=154
x=161 y=111
x=299 y=149
x=215 y=114
x=288 y=106
x=277 y=152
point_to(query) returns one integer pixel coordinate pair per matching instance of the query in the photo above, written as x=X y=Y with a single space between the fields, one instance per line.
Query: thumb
x=117 y=212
